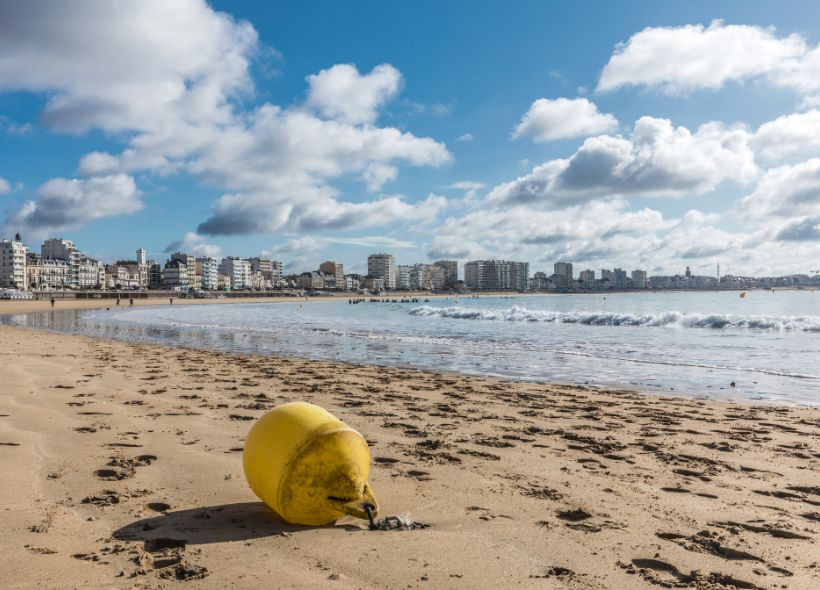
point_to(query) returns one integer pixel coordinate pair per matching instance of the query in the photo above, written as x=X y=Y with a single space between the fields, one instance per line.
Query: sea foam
x=673 y=319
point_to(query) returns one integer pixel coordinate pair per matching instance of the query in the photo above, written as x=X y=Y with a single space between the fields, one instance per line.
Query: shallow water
x=696 y=343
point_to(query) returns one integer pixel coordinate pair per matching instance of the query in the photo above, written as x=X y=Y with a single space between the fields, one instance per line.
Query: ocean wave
x=604 y=318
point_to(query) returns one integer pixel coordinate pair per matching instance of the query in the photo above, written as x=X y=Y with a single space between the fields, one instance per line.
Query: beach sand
x=122 y=468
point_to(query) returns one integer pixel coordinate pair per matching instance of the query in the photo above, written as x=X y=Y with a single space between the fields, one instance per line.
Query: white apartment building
x=208 y=269
x=238 y=271
x=587 y=278
x=90 y=273
x=403 y=276
x=13 y=264
x=59 y=249
x=383 y=266
x=46 y=274
x=175 y=275
x=639 y=279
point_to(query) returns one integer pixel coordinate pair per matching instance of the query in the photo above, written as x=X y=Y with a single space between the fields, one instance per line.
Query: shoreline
x=17 y=306
x=537 y=485
x=657 y=391
x=42 y=307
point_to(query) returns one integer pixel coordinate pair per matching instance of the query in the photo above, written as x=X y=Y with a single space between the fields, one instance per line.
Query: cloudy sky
x=637 y=134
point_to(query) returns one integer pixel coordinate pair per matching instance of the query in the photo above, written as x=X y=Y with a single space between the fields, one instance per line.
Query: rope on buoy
x=391 y=523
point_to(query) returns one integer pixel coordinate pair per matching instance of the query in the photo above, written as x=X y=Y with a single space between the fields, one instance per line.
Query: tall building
x=90 y=273
x=403 y=276
x=141 y=258
x=276 y=272
x=562 y=271
x=155 y=280
x=383 y=266
x=337 y=271
x=238 y=271
x=175 y=274
x=13 y=264
x=607 y=278
x=621 y=281
x=587 y=278
x=450 y=272
x=208 y=269
x=496 y=275
x=59 y=249
x=639 y=279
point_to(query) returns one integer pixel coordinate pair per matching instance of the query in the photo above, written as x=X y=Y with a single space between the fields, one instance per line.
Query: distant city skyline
x=651 y=136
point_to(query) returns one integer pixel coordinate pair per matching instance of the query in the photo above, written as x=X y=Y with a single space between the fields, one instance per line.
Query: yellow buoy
x=308 y=466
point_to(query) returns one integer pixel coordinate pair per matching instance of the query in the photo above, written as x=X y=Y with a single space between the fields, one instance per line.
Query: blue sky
x=205 y=130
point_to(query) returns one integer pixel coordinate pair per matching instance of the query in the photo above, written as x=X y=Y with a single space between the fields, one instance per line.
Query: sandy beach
x=123 y=469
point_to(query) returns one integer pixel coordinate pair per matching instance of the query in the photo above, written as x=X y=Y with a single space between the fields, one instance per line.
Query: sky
x=641 y=135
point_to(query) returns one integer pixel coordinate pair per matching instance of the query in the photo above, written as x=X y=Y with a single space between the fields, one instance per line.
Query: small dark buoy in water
x=732 y=384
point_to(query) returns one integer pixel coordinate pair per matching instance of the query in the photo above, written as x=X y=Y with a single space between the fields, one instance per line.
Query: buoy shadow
x=215 y=524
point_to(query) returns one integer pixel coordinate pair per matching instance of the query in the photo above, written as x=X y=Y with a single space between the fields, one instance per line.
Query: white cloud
x=466 y=185
x=806 y=229
x=465 y=137
x=5 y=187
x=680 y=59
x=372 y=242
x=66 y=204
x=341 y=92
x=299 y=253
x=657 y=160
x=786 y=191
x=788 y=135
x=192 y=243
x=170 y=75
x=121 y=66
x=562 y=118
x=376 y=176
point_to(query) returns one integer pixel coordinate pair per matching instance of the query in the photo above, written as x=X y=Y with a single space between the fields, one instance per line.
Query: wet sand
x=122 y=468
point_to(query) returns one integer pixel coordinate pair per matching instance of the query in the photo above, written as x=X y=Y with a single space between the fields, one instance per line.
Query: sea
x=763 y=346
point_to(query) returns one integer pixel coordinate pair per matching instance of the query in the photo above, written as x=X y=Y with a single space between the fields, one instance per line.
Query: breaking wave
x=674 y=319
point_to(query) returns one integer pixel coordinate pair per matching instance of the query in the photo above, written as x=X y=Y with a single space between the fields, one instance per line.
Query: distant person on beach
x=130 y=302
x=171 y=300
x=52 y=302
x=118 y=300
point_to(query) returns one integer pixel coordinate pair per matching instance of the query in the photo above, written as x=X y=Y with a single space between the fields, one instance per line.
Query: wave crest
x=603 y=318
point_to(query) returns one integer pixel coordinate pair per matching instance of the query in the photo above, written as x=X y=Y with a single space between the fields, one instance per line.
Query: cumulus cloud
x=299 y=253
x=449 y=247
x=789 y=135
x=465 y=137
x=341 y=92
x=193 y=243
x=5 y=187
x=680 y=59
x=172 y=74
x=657 y=160
x=562 y=118
x=135 y=65
x=65 y=204
x=806 y=229
x=376 y=176
x=786 y=191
